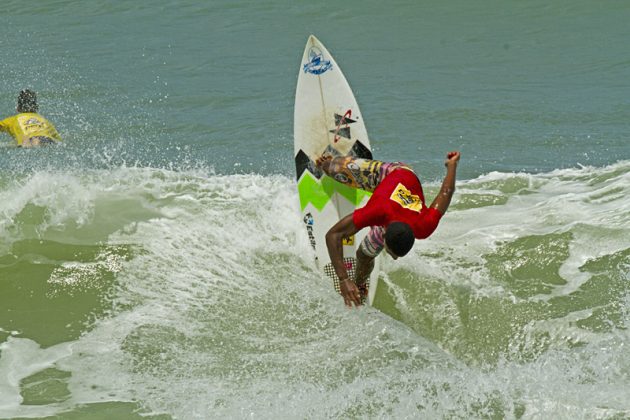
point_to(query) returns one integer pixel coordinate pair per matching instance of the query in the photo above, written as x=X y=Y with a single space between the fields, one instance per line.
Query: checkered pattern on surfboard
x=329 y=270
x=350 y=264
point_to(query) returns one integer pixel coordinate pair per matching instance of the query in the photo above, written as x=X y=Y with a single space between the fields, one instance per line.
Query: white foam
x=21 y=358
x=220 y=309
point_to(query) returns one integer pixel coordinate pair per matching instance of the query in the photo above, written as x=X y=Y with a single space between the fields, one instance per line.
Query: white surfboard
x=327 y=119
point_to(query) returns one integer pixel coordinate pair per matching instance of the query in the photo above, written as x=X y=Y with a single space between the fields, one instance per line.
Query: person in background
x=28 y=128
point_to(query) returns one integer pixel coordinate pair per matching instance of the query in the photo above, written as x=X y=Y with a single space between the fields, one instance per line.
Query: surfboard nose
x=312 y=39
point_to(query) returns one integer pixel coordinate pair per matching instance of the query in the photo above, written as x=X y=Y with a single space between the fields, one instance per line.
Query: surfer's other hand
x=452 y=158
x=350 y=292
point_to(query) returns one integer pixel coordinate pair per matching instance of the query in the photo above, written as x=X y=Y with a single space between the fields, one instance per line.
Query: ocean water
x=155 y=265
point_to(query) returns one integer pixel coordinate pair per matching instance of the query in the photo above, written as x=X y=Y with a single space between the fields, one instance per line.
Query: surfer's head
x=399 y=239
x=27 y=101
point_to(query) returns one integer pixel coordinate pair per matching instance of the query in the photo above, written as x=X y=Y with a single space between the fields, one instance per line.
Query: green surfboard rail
x=319 y=192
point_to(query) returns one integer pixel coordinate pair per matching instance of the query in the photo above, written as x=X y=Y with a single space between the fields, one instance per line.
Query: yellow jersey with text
x=29 y=125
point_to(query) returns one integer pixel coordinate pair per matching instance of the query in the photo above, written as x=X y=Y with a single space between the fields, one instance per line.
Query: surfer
x=28 y=128
x=396 y=214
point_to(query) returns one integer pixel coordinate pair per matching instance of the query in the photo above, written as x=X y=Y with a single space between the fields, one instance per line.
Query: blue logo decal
x=310 y=221
x=316 y=65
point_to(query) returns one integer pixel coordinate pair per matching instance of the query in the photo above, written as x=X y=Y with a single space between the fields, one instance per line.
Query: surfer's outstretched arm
x=334 y=241
x=443 y=198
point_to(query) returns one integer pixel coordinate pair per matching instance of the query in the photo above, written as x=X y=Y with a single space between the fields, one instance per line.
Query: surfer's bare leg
x=365 y=265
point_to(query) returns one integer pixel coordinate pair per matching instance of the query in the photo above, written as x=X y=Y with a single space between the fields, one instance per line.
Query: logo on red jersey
x=406 y=199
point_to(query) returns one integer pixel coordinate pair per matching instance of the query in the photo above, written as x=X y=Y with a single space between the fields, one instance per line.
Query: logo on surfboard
x=309 y=221
x=316 y=64
x=342 y=123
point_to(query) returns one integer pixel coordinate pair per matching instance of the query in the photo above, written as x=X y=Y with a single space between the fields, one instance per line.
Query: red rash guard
x=398 y=198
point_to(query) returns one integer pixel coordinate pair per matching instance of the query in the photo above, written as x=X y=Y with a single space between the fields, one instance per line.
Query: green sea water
x=155 y=265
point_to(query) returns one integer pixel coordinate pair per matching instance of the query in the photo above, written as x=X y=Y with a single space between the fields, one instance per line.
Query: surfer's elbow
x=333 y=239
x=447 y=192
x=330 y=237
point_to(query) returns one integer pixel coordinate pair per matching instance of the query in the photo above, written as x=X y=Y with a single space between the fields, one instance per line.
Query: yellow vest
x=28 y=125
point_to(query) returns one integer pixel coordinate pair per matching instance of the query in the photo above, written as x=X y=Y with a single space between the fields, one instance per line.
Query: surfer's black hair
x=27 y=101
x=399 y=238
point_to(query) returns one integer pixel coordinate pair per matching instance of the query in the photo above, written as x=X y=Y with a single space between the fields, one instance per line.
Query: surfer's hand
x=350 y=292
x=452 y=158
x=323 y=160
